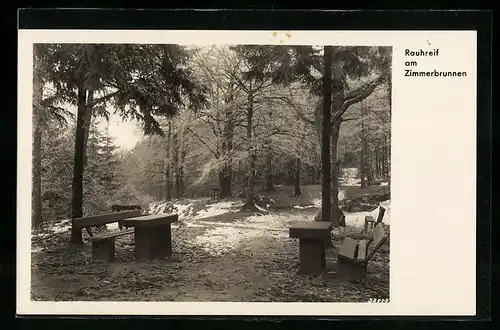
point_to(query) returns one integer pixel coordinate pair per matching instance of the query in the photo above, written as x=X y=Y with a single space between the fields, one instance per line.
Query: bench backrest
x=378 y=239
x=381 y=212
x=118 y=208
x=103 y=219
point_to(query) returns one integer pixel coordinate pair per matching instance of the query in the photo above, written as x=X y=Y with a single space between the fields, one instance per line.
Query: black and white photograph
x=266 y=173
x=235 y=173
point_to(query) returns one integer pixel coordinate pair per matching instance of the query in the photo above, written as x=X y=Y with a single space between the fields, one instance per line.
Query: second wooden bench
x=103 y=246
x=354 y=255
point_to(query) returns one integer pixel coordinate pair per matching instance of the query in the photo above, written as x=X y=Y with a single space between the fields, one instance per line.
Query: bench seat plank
x=348 y=248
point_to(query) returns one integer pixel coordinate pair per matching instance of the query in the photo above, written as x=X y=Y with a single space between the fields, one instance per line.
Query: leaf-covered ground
x=227 y=256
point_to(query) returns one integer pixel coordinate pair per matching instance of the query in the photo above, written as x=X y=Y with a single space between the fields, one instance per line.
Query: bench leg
x=164 y=241
x=312 y=256
x=104 y=250
x=143 y=237
x=153 y=242
x=350 y=270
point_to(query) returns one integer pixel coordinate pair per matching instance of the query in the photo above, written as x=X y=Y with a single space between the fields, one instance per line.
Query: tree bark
x=87 y=120
x=325 y=134
x=225 y=173
x=337 y=103
x=297 y=178
x=250 y=195
x=182 y=183
x=36 y=215
x=168 y=183
x=78 y=166
x=335 y=168
x=269 y=168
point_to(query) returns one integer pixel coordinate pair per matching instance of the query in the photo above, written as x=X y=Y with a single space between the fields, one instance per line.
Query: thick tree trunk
x=251 y=152
x=168 y=183
x=335 y=168
x=297 y=178
x=36 y=215
x=78 y=166
x=250 y=193
x=338 y=101
x=224 y=182
x=87 y=121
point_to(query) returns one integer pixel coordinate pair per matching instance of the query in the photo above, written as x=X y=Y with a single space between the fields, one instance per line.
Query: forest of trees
x=240 y=119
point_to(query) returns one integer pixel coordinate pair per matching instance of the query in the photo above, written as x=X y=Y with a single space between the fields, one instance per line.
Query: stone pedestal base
x=103 y=250
x=153 y=242
x=312 y=255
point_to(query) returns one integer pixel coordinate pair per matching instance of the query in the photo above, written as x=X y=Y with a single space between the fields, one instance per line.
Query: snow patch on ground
x=186 y=211
x=226 y=237
x=218 y=209
x=300 y=207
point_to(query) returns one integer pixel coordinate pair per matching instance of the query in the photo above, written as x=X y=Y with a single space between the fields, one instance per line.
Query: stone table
x=152 y=235
x=312 y=236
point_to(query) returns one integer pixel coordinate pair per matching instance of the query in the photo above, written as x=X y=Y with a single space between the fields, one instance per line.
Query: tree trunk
x=226 y=173
x=387 y=157
x=78 y=166
x=250 y=194
x=326 y=133
x=36 y=215
x=182 y=183
x=297 y=178
x=362 y=168
x=335 y=168
x=224 y=182
x=87 y=120
x=269 y=168
x=366 y=180
x=175 y=161
x=338 y=101
x=168 y=183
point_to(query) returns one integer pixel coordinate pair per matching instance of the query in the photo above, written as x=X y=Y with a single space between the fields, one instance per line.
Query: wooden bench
x=312 y=237
x=353 y=256
x=103 y=246
x=370 y=221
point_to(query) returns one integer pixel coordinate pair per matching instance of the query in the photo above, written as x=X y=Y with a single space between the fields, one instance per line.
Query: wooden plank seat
x=102 y=219
x=312 y=237
x=370 y=221
x=103 y=246
x=354 y=255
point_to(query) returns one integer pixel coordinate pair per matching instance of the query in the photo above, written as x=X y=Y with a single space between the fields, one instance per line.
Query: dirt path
x=236 y=257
